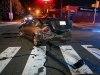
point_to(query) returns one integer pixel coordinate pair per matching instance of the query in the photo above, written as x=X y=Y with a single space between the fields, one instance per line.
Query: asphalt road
x=25 y=59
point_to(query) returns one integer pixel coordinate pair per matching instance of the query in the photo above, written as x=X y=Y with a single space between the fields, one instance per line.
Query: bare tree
x=48 y=6
x=17 y=8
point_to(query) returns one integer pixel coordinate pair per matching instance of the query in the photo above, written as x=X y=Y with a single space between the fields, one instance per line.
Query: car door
x=26 y=28
x=32 y=28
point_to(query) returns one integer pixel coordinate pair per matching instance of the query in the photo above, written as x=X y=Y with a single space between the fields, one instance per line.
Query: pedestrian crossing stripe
x=35 y=63
x=92 y=50
x=72 y=57
x=9 y=52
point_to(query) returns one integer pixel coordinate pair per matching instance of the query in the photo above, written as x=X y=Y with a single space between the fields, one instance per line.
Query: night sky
x=57 y=3
x=37 y=3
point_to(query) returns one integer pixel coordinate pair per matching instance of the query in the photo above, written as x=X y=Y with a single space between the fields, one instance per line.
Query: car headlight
x=30 y=18
x=25 y=18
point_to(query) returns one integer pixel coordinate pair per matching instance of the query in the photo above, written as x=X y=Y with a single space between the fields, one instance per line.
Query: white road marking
x=9 y=52
x=92 y=50
x=72 y=57
x=35 y=63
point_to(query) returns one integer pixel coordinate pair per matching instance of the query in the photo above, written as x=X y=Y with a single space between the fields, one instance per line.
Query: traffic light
x=46 y=0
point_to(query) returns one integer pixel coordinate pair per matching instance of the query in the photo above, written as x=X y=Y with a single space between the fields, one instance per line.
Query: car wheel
x=35 y=40
x=21 y=33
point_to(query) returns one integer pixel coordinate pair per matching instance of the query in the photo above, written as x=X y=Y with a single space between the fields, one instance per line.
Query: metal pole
x=61 y=7
x=94 y=13
x=10 y=6
x=10 y=10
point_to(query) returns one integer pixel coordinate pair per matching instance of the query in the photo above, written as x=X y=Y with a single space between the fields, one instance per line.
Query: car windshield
x=37 y=22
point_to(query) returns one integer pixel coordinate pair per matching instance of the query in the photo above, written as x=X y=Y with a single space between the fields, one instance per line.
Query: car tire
x=21 y=33
x=36 y=40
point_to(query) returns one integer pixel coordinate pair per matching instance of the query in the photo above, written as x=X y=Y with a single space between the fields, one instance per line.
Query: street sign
x=84 y=9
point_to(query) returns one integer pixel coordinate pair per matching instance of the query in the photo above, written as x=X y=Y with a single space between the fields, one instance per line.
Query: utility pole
x=10 y=13
x=96 y=6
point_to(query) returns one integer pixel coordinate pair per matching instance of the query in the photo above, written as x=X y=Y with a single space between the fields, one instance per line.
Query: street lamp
x=29 y=9
x=37 y=12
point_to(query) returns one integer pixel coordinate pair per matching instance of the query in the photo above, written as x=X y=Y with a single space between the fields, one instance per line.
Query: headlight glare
x=30 y=18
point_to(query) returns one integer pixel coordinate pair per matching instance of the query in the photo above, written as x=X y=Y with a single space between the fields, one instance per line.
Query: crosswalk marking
x=9 y=52
x=91 y=49
x=34 y=65
x=72 y=57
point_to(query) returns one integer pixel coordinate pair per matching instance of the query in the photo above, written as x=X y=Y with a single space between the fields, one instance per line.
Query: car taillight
x=46 y=30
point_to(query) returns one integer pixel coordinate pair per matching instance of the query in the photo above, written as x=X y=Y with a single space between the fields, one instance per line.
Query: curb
x=86 y=24
x=9 y=23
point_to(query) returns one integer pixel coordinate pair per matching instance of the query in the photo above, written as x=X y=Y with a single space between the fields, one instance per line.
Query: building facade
x=82 y=14
x=78 y=14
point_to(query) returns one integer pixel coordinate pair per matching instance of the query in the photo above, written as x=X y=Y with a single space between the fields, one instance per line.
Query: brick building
x=82 y=14
x=79 y=14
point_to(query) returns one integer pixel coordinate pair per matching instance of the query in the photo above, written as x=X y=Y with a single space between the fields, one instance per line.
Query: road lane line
x=92 y=50
x=9 y=52
x=72 y=57
x=34 y=65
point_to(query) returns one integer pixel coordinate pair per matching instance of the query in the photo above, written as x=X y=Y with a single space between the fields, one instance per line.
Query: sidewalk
x=86 y=25
x=4 y=23
x=80 y=25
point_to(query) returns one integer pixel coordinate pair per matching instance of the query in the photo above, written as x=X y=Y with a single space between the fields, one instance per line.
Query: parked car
x=41 y=29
